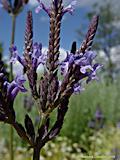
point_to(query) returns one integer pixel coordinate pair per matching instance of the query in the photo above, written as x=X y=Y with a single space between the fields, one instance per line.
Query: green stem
x=11 y=144
x=11 y=43
x=11 y=78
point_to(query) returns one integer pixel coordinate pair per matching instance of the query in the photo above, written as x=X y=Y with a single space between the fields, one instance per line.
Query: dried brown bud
x=87 y=43
x=30 y=70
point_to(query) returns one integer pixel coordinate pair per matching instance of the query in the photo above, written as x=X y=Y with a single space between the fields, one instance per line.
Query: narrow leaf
x=29 y=127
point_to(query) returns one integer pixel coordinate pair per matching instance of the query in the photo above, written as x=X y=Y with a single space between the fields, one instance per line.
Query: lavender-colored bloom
x=37 y=56
x=70 y=8
x=15 y=86
x=84 y=61
x=15 y=56
x=84 y=69
x=92 y=74
x=42 y=6
x=37 y=50
x=64 y=65
x=1 y=75
x=78 y=88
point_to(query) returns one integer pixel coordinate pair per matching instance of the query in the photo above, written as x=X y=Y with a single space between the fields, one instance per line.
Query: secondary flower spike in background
x=13 y=6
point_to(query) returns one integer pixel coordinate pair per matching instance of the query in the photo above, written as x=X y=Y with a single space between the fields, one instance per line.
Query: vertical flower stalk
x=29 y=68
x=50 y=78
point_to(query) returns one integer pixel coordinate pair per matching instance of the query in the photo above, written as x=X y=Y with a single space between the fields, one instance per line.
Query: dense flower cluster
x=37 y=56
x=84 y=61
x=85 y=64
x=70 y=8
x=15 y=86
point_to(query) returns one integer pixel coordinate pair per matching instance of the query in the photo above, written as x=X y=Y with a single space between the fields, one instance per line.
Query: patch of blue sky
x=41 y=28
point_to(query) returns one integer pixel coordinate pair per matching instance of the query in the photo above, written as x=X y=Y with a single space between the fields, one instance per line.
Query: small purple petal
x=91 y=77
x=1 y=74
x=15 y=56
x=14 y=52
x=15 y=86
x=78 y=88
x=70 y=8
x=37 y=56
x=87 y=58
x=42 y=60
x=84 y=69
x=64 y=68
x=20 y=80
x=97 y=66
x=37 y=10
x=37 y=50
x=16 y=90
x=64 y=65
x=14 y=93
x=42 y=6
x=10 y=87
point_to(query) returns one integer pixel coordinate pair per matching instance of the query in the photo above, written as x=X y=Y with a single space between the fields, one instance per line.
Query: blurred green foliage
x=104 y=143
x=82 y=108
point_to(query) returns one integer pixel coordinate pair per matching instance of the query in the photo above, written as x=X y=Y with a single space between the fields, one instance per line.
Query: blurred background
x=92 y=123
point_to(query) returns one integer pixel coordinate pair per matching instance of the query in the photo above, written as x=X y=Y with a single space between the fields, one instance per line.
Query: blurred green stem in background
x=11 y=78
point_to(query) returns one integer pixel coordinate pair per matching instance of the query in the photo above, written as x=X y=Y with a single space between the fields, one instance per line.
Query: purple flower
x=84 y=61
x=37 y=57
x=78 y=88
x=92 y=74
x=70 y=8
x=15 y=86
x=84 y=69
x=64 y=65
x=15 y=56
x=42 y=6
